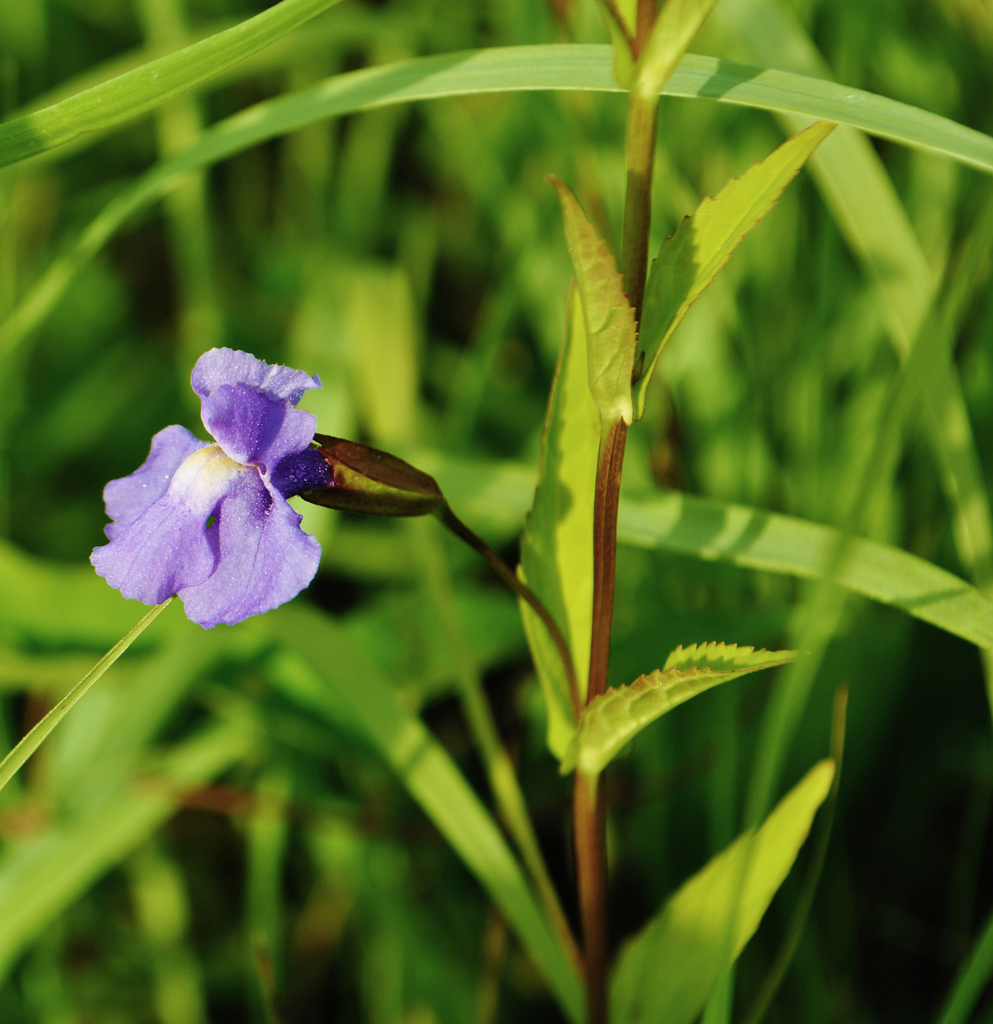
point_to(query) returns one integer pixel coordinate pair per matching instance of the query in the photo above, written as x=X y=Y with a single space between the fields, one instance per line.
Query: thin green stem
x=500 y=567
x=499 y=767
x=34 y=739
x=589 y=810
x=639 y=160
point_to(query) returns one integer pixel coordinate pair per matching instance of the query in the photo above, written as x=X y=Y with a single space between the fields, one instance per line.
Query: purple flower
x=210 y=522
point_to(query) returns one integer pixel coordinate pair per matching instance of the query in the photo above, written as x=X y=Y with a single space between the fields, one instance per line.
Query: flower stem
x=500 y=567
x=34 y=739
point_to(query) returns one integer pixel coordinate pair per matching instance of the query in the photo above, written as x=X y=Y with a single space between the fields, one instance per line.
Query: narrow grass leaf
x=611 y=331
x=721 y=531
x=972 y=979
x=703 y=243
x=617 y=716
x=507 y=69
x=146 y=87
x=334 y=680
x=663 y=976
x=557 y=545
x=34 y=739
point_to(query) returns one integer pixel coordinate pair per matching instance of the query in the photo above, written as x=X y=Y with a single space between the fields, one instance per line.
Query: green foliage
x=12 y=763
x=703 y=243
x=365 y=198
x=611 y=331
x=613 y=719
x=665 y=973
x=678 y=22
x=334 y=681
x=150 y=85
x=557 y=544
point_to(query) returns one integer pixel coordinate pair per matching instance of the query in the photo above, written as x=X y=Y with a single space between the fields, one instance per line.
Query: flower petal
x=167 y=547
x=129 y=496
x=305 y=471
x=253 y=429
x=264 y=558
x=222 y=366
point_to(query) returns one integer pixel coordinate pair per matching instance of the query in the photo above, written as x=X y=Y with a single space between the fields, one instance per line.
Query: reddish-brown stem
x=591 y=868
x=608 y=488
x=645 y=22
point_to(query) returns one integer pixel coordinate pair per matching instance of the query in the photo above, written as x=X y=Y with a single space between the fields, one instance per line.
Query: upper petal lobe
x=253 y=429
x=222 y=366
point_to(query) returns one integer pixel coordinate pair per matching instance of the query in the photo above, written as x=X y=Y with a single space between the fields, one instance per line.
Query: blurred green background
x=196 y=835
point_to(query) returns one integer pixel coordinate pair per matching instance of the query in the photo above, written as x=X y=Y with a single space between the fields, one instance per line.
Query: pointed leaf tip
x=702 y=244
x=612 y=333
x=614 y=718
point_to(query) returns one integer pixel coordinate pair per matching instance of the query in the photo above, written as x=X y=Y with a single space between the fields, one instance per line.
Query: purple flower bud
x=357 y=478
x=207 y=521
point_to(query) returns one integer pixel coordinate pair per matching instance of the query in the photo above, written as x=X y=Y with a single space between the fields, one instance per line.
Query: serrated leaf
x=611 y=332
x=664 y=974
x=617 y=716
x=703 y=243
x=557 y=546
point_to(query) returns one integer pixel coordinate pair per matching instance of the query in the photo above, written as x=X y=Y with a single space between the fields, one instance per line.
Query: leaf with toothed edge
x=617 y=716
x=703 y=243
x=611 y=331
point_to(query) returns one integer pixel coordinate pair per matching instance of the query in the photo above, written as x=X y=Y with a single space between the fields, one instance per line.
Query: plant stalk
x=589 y=810
x=589 y=824
x=640 y=162
x=500 y=567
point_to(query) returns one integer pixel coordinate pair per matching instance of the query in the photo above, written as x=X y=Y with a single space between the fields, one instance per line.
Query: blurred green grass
x=425 y=238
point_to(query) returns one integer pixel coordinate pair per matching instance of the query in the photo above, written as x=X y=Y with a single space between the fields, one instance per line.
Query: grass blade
x=146 y=87
x=507 y=69
x=34 y=739
x=337 y=683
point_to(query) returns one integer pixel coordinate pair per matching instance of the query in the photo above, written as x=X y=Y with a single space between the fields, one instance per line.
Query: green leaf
x=703 y=244
x=614 y=718
x=557 y=546
x=331 y=677
x=721 y=531
x=749 y=537
x=611 y=332
x=621 y=16
x=144 y=88
x=663 y=976
x=678 y=22
x=507 y=69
